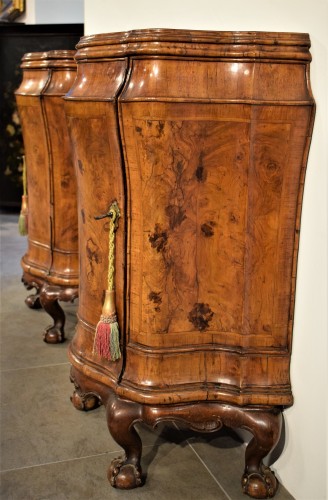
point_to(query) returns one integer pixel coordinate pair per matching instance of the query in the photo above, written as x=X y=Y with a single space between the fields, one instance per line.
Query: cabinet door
x=93 y=127
x=30 y=110
x=64 y=266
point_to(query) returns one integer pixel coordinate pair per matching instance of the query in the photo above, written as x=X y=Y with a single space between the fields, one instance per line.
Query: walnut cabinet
x=50 y=264
x=202 y=140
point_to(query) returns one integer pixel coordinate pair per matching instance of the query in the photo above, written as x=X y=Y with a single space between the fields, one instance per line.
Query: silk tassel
x=107 y=336
x=106 y=342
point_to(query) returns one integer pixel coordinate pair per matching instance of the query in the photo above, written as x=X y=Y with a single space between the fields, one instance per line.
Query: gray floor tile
x=173 y=473
x=39 y=424
x=22 y=343
x=13 y=293
x=13 y=246
x=223 y=454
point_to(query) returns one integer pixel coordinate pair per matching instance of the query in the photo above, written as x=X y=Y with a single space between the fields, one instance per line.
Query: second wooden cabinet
x=50 y=264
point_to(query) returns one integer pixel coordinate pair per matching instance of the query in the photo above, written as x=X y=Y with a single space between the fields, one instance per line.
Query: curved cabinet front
x=202 y=139
x=51 y=261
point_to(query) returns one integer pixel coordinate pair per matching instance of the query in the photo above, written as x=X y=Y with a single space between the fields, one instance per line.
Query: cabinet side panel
x=215 y=190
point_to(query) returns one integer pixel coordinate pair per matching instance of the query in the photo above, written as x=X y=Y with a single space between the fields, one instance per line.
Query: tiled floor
x=49 y=450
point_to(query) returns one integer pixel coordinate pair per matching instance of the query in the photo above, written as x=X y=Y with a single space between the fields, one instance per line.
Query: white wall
x=29 y=15
x=302 y=466
x=53 y=12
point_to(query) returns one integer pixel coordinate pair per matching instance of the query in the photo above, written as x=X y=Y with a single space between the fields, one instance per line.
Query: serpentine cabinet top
x=248 y=59
x=231 y=44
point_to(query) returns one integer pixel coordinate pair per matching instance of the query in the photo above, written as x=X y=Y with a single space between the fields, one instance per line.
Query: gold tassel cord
x=106 y=342
x=23 y=216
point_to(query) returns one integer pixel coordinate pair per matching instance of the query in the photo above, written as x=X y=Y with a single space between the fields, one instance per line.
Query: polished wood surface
x=202 y=138
x=51 y=262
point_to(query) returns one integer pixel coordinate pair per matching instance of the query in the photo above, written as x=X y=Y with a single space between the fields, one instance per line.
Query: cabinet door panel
x=36 y=149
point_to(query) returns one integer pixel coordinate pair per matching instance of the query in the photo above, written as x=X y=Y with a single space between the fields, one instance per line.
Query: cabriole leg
x=258 y=480
x=124 y=472
x=49 y=296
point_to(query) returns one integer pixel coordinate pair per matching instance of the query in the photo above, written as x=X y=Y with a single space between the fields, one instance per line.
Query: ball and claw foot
x=124 y=476
x=33 y=301
x=84 y=402
x=261 y=484
x=53 y=335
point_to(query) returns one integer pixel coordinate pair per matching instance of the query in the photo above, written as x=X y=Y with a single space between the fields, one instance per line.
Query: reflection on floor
x=49 y=450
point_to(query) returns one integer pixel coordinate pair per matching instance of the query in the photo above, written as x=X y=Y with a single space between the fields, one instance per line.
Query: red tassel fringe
x=102 y=340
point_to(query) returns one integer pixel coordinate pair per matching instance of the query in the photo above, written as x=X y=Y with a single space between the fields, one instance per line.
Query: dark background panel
x=15 y=41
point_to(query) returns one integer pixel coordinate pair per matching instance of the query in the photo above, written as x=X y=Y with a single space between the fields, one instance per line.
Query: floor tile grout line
x=209 y=471
x=204 y=464
x=33 y=367
x=58 y=461
x=44 y=464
